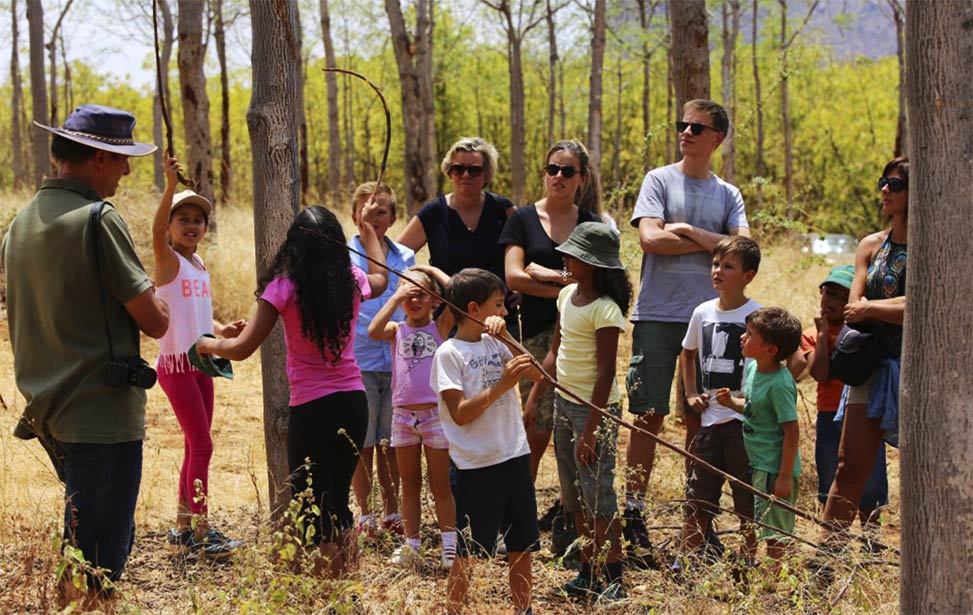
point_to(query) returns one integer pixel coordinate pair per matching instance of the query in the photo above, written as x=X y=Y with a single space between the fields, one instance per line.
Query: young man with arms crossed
x=683 y=211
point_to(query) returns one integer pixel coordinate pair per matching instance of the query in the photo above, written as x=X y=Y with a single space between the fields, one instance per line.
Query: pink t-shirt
x=311 y=375
x=411 y=362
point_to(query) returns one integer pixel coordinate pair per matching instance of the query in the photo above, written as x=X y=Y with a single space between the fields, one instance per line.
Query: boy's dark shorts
x=721 y=446
x=651 y=370
x=497 y=499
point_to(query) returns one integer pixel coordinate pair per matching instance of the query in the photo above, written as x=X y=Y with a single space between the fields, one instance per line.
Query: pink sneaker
x=393 y=525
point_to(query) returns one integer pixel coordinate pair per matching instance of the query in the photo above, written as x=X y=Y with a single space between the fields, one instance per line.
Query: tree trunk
x=331 y=82
x=349 y=112
x=272 y=122
x=195 y=101
x=52 y=57
x=672 y=139
x=38 y=90
x=759 y=169
x=17 y=100
x=646 y=11
x=785 y=111
x=901 y=128
x=552 y=72
x=936 y=428
x=226 y=166
x=165 y=60
x=690 y=50
x=518 y=123
x=595 y=84
x=413 y=56
x=617 y=137
x=301 y=110
x=731 y=30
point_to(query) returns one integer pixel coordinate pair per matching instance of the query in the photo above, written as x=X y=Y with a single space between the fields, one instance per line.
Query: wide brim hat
x=209 y=364
x=842 y=276
x=103 y=128
x=594 y=243
x=188 y=197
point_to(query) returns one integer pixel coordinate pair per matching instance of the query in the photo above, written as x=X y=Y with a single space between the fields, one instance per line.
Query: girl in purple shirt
x=315 y=290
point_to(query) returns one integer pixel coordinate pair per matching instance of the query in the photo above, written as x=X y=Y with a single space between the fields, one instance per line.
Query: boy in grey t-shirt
x=683 y=211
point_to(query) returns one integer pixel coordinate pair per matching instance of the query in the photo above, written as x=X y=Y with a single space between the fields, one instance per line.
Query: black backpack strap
x=94 y=233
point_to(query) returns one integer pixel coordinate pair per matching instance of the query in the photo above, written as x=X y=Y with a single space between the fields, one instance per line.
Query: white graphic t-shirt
x=715 y=336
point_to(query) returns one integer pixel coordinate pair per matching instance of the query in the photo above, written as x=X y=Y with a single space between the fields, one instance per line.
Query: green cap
x=209 y=364
x=594 y=243
x=842 y=276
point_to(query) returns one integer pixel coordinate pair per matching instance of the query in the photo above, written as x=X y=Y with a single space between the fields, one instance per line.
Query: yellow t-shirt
x=577 y=356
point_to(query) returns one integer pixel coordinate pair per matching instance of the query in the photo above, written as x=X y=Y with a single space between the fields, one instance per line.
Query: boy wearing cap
x=92 y=429
x=816 y=346
x=180 y=223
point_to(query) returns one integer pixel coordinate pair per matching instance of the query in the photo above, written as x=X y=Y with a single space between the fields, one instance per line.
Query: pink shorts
x=410 y=427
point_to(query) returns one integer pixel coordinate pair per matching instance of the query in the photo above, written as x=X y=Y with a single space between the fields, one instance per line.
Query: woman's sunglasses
x=694 y=127
x=457 y=170
x=895 y=184
x=566 y=172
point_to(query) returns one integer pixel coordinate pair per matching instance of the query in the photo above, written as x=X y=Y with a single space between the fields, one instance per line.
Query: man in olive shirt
x=92 y=430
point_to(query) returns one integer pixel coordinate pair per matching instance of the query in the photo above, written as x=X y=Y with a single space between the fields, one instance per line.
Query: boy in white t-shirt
x=712 y=345
x=475 y=374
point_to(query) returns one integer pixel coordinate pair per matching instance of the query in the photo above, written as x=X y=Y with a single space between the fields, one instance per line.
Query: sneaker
x=613 y=593
x=639 y=553
x=581 y=587
x=712 y=549
x=446 y=559
x=213 y=544
x=563 y=534
x=546 y=522
x=501 y=549
x=406 y=557
x=393 y=525
x=368 y=527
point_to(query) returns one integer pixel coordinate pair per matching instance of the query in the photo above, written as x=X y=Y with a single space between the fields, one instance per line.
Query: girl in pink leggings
x=415 y=414
x=183 y=283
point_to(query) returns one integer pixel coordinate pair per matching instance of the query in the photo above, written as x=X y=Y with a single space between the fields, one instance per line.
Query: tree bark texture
x=595 y=87
x=17 y=100
x=226 y=162
x=731 y=31
x=272 y=121
x=195 y=101
x=165 y=60
x=936 y=426
x=413 y=57
x=690 y=50
x=38 y=91
x=331 y=83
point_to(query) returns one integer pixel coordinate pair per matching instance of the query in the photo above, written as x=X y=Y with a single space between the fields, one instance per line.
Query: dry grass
x=157 y=582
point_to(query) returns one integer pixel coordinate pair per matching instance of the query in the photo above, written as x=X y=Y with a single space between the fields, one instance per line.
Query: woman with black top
x=534 y=268
x=876 y=303
x=462 y=227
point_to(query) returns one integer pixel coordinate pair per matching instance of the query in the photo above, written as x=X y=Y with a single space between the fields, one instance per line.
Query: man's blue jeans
x=101 y=487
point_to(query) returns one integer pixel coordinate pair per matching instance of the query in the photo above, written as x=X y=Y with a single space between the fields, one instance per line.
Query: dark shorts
x=826 y=445
x=652 y=368
x=722 y=447
x=497 y=499
x=101 y=487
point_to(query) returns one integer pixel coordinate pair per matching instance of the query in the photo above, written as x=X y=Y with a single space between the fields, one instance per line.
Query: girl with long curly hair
x=316 y=290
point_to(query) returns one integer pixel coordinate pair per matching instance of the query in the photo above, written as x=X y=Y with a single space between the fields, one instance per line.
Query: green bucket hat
x=594 y=243
x=842 y=276
x=209 y=364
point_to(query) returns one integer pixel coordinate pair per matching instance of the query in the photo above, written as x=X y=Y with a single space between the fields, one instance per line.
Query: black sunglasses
x=694 y=127
x=566 y=172
x=459 y=169
x=895 y=184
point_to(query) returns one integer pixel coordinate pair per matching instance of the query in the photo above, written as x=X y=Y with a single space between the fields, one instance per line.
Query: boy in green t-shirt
x=770 y=430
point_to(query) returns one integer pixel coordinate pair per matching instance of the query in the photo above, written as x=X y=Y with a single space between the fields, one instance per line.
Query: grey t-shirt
x=672 y=286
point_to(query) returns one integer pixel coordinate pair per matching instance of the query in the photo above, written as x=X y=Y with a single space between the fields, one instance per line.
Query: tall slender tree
x=760 y=169
x=595 y=87
x=16 y=99
x=51 y=47
x=38 y=90
x=272 y=119
x=195 y=100
x=167 y=36
x=901 y=126
x=413 y=56
x=731 y=31
x=552 y=60
x=331 y=83
x=937 y=529
x=219 y=37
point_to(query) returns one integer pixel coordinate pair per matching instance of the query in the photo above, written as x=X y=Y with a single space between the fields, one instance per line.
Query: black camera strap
x=94 y=232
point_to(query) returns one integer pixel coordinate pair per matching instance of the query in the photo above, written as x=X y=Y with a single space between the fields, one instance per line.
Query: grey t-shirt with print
x=672 y=286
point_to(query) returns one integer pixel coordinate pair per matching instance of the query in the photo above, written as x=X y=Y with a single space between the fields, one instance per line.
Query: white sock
x=449 y=541
x=414 y=543
x=365 y=518
x=387 y=519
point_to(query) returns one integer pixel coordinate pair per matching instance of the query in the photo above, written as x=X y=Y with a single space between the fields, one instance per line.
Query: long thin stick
x=388 y=116
x=163 y=109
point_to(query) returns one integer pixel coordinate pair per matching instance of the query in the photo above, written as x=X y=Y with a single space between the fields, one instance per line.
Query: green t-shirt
x=771 y=400
x=57 y=324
